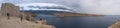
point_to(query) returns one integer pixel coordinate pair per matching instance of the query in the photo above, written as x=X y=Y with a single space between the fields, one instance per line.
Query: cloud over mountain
x=44 y=7
x=106 y=7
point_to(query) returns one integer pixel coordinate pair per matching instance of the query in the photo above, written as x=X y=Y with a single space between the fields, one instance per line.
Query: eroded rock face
x=10 y=9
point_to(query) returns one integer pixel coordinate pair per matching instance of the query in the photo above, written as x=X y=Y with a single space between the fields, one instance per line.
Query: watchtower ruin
x=8 y=8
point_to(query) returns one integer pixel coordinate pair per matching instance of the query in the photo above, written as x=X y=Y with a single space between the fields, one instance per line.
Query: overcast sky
x=107 y=7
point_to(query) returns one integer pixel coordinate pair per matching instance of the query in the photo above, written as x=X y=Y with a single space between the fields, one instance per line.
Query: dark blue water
x=80 y=21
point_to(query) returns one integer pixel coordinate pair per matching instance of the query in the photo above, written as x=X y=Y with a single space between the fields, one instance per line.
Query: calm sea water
x=80 y=21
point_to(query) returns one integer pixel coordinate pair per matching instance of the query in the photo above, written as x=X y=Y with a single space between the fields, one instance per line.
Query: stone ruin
x=14 y=11
x=10 y=9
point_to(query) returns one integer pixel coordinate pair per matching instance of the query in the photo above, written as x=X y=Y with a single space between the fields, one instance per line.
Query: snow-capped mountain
x=43 y=7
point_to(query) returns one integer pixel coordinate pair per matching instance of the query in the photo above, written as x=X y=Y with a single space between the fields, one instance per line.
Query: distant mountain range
x=43 y=7
x=62 y=14
x=44 y=12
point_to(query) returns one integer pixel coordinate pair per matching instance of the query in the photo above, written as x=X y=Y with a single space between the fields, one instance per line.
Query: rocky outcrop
x=17 y=19
x=115 y=25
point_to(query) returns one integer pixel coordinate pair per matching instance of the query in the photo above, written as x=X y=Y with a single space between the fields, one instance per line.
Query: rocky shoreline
x=115 y=25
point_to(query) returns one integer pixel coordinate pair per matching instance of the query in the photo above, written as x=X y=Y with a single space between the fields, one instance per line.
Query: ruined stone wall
x=10 y=9
x=30 y=16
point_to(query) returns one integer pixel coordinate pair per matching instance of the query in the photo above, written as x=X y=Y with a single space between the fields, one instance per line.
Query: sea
x=79 y=21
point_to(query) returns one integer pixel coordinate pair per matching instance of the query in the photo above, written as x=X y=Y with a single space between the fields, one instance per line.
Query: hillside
x=66 y=14
x=15 y=22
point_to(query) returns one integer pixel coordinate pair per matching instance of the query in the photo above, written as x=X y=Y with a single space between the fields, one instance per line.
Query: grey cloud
x=107 y=7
